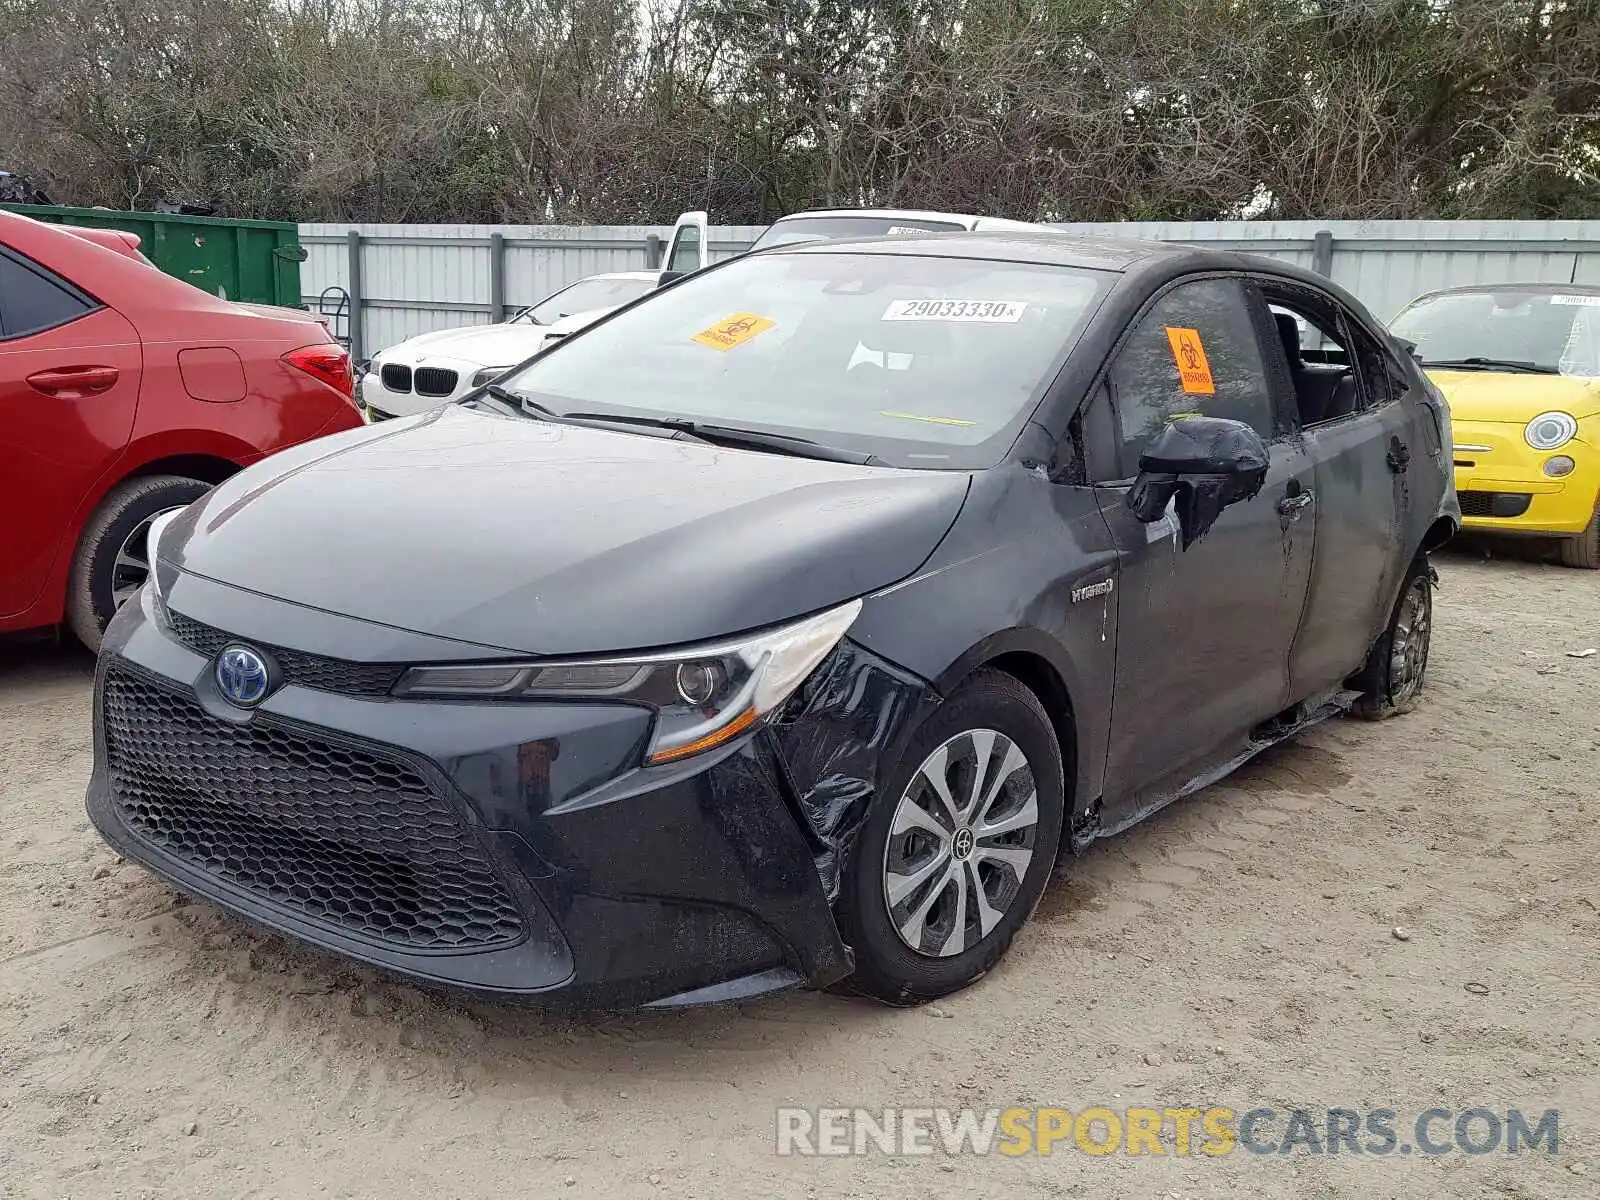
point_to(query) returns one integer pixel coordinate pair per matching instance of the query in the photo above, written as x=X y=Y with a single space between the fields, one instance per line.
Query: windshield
x=584 y=296
x=810 y=229
x=1552 y=331
x=920 y=361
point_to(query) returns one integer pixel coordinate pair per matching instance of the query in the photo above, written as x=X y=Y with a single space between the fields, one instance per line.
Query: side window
x=1315 y=343
x=1195 y=352
x=31 y=301
x=1376 y=386
x=685 y=250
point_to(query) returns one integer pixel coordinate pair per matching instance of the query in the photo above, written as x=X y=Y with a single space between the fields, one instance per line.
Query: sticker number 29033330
x=990 y=312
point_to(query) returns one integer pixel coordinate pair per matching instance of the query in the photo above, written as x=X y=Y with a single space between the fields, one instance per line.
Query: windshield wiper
x=1477 y=363
x=514 y=403
x=731 y=435
x=501 y=398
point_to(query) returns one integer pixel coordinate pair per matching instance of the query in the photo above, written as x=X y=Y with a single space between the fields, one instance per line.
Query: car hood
x=1516 y=398
x=483 y=345
x=557 y=539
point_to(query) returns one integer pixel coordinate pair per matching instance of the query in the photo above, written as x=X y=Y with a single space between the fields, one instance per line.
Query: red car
x=124 y=394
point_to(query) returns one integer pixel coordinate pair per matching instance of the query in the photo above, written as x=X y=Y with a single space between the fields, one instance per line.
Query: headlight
x=1551 y=430
x=488 y=375
x=703 y=696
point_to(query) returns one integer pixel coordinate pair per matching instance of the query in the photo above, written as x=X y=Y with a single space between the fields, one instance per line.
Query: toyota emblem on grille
x=243 y=676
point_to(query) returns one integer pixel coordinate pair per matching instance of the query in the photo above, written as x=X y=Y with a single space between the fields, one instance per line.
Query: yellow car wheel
x=1584 y=550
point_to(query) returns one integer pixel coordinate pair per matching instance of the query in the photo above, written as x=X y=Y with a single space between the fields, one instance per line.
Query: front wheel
x=1583 y=551
x=957 y=850
x=1391 y=682
x=112 y=560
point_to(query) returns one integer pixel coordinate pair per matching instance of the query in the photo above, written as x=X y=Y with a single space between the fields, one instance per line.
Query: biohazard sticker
x=733 y=331
x=1194 y=372
x=983 y=312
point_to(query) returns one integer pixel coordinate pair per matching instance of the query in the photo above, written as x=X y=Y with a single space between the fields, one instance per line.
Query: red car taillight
x=329 y=363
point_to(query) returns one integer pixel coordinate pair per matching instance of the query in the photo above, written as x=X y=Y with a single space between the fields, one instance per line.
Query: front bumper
x=381 y=401
x=1503 y=487
x=516 y=851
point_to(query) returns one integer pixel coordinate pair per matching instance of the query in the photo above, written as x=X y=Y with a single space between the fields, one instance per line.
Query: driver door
x=1204 y=634
x=690 y=247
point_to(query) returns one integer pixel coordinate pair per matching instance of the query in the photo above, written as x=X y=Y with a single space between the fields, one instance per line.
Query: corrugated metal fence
x=407 y=279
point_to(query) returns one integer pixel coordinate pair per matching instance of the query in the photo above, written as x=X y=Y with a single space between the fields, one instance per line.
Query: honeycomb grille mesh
x=337 y=834
x=306 y=670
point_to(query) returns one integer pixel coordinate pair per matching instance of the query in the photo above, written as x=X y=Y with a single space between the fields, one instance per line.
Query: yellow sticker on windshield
x=1194 y=372
x=733 y=331
x=905 y=416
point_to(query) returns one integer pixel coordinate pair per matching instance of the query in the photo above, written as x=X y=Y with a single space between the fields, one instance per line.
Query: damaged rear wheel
x=1391 y=682
x=956 y=852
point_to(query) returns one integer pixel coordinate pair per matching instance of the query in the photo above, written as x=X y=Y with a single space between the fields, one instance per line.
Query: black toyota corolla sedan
x=781 y=628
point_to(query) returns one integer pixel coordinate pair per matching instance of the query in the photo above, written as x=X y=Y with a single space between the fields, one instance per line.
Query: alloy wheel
x=132 y=565
x=960 y=843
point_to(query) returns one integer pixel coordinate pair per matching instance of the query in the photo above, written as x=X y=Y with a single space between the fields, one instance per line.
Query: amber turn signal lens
x=727 y=733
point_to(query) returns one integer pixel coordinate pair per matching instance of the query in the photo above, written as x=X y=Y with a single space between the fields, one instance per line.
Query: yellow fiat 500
x=1520 y=366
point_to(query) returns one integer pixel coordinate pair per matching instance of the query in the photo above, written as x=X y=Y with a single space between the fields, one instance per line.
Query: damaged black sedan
x=783 y=627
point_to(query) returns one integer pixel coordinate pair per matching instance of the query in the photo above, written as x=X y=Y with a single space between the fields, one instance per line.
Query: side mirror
x=1204 y=464
x=667 y=277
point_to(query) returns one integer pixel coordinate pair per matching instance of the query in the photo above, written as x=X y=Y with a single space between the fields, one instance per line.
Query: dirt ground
x=1236 y=949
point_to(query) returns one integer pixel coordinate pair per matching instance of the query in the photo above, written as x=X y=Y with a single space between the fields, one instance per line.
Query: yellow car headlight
x=1551 y=430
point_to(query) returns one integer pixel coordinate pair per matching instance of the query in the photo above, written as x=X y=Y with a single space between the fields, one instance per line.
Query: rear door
x=69 y=385
x=1203 y=634
x=1359 y=436
x=690 y=247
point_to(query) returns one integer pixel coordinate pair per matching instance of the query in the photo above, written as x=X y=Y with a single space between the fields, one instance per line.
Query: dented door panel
x=1359 y=552
x=1205 y=632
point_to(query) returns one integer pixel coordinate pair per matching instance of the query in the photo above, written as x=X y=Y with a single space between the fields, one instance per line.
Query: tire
x=1391 y=682
x=104 y=562
x=1583 y=551
x=992 y=710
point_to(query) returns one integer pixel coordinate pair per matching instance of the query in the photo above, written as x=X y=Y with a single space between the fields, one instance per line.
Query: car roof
x=902 y=214
x=643 y=276
x=1044 y=246
x=1535 y=289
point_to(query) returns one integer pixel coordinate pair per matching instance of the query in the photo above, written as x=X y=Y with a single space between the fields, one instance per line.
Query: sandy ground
x=1234 y=950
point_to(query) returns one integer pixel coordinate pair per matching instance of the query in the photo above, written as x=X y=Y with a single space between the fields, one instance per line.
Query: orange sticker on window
x=733 y=331
x=1194 y=372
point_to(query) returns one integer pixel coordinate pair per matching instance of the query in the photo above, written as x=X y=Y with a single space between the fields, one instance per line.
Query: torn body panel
x=837 y=740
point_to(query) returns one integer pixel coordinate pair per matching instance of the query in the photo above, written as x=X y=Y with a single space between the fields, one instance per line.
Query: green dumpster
x=253 y=261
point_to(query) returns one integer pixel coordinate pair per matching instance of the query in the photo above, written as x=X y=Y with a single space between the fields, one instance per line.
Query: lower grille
x=1493 y=504
x=341 y=835
x=435 y=381
x=396 y=377
x=298 y=667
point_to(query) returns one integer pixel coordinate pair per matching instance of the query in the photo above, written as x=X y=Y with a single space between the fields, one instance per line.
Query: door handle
x=1399 y=455
x=71 y=383
x=1290 y=505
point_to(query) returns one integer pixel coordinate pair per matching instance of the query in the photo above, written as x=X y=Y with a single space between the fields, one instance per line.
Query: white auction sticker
x=994 y=312
x=1579 y=301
